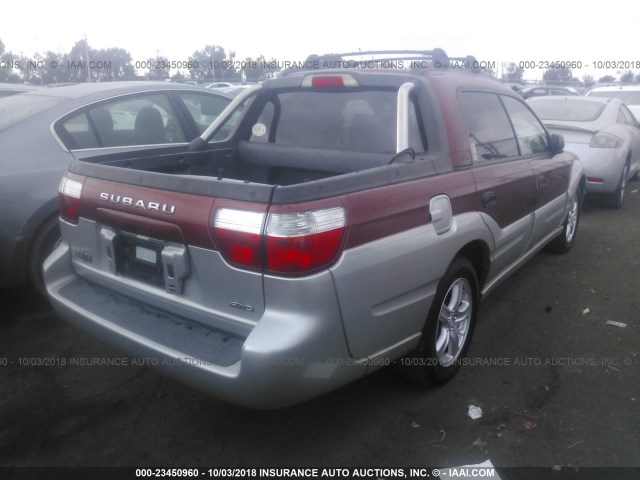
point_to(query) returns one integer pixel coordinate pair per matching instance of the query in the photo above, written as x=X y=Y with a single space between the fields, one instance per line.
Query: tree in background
x=178 y=77
x=627 y=77
x=588 y=81
x=83 y=63
x=81 y=53
x=259 y=69
x=514 y=74
x=155 y=72
x=606 y=79
x=117 y=64
x=51 y=70
x=211 y=64
x=7 y=74
x=558 y=76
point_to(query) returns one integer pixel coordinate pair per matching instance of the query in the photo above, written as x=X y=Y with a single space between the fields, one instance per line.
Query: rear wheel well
x=42 y=244
x=636 y=174
x=478 y=254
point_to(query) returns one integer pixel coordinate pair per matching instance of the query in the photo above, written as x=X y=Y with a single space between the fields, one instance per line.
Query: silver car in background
x=627 y=94
x=602 y=132
x=43 y=130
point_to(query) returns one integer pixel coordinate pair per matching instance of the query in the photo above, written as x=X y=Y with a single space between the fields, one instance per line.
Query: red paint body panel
x=191 y=217
x=552 y=178
x=514 y=188
x=140 y=225
x=384 y=211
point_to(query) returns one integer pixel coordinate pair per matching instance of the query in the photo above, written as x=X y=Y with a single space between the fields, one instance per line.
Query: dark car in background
x=43 y=130
x=9 y=89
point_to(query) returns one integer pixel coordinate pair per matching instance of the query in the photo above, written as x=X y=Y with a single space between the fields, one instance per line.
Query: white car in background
x=604 y=135
x=628 y=94
x=221 y=85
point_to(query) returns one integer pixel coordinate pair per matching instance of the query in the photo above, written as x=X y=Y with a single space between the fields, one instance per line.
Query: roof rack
x=421 y=59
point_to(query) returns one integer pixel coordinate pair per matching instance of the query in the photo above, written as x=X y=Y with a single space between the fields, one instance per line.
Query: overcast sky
x=535 y=30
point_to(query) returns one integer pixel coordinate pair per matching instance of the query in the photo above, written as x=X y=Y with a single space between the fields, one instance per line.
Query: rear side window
x=137 y=120
x=204 y=109
x=490 y=134
x=625 y=117
x=363 y=121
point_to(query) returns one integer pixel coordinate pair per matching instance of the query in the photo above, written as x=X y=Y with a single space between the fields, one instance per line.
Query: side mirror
x=556 y=143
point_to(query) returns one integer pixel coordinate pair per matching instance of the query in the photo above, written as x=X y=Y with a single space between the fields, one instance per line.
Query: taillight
x=69 y=193
x=298 y=242
x=292 y=242
x=239 y=235
x=605 y=140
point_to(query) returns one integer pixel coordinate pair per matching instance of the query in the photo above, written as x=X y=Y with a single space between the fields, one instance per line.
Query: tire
x=448 y=329
x=564 y=242
x=615 y=198
x=44 y=242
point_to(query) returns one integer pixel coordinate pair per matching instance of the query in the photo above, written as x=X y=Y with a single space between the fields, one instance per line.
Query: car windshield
x=17 y=108
x=626 y=96
x=567 y=110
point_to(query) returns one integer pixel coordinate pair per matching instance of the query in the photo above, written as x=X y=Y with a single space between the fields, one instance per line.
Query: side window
x=531 y=135
x=415 y=138
x=625 y=117
x=134 y=120
x=204 y=109
x=261 y=130
x=79 y=133
x=490 y=134
x=229 y=126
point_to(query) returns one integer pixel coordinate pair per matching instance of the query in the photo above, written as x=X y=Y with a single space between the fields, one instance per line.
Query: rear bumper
x=296 y=351
x=604 y=164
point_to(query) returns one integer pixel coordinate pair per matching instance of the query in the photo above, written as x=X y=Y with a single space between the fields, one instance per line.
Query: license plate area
x=139 y=258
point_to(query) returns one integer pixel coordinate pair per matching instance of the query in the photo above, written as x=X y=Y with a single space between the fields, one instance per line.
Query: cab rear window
x=353 y=121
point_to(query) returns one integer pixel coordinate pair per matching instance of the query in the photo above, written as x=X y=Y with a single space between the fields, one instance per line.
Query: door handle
x=542 y=181
x=488 y=199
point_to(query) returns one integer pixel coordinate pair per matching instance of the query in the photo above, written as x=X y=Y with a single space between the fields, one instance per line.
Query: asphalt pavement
x=554 y=368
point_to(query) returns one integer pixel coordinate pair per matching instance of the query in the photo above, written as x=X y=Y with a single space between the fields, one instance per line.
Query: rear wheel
x=44 y=242
x=448 y=329
x=564 y=242
x=616 y=197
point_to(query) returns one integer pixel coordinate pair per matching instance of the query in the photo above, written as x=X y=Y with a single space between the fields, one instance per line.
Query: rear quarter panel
x=386 y=283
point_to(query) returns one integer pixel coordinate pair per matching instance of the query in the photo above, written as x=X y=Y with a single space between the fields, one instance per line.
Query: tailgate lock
x=175 y=262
